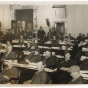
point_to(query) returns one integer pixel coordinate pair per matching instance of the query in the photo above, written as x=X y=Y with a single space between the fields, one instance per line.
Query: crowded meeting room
x=43 y=43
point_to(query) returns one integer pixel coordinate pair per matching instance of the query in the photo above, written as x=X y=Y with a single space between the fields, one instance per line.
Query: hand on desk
x=63 y=68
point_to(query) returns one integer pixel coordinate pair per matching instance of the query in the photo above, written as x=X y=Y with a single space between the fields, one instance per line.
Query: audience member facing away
x=50 y=61
x=9 y=72
x=75 y=73
x=21 y=40
x=9 y=54
x=40 y=77
x=33 y=56
x=41 y=33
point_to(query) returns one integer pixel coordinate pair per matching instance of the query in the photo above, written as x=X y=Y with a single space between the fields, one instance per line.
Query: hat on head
x=74 y=68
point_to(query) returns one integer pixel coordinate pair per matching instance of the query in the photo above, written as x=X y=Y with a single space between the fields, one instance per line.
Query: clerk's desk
x=32 y=66
x=27 y=71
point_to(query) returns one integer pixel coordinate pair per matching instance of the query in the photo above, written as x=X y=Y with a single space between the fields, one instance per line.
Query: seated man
x=71 y=38
x=75 y=73
x=40 y=77
x=79 y=38
x=9 y=54
x=9 y=72
x=21 y=40
x=33 y=57
x=54 y=41
x=13 y=35
x=62 y=67
x=50 y=61
x=67 y=39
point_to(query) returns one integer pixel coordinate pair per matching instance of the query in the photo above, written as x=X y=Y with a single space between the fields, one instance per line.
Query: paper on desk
x=40 y=46
x=49 y=70
x=83 y=71
x=2 y=51
x=48 y=42
x=55 y=47
x=59 y=56
x=25 y=41
x=27 y=53
x=84 y=75
x=15 y=41
x=46 y=47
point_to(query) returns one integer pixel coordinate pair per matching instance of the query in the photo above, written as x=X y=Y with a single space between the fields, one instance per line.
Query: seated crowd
x=67 y=67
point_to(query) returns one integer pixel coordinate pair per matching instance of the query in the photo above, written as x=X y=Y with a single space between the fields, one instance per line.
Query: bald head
x=40 y=66
x=47 y=54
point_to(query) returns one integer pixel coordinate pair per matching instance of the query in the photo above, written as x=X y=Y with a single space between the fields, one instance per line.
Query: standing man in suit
x=41 y=33
x=75 y=73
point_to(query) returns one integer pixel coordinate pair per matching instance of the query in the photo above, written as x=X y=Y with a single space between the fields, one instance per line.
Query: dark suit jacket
x=79 y=80
x=11 y=73
x=51 y=62
x=11 y=55
x=34 y=58
x=40 y=78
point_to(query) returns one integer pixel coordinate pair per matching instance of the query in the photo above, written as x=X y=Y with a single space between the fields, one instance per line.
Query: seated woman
x=9 y=72
x=40 y=77
x=21 y=40
x=54 y=41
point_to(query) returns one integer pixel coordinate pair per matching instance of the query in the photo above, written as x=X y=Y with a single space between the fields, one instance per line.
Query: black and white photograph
x=43 y=43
